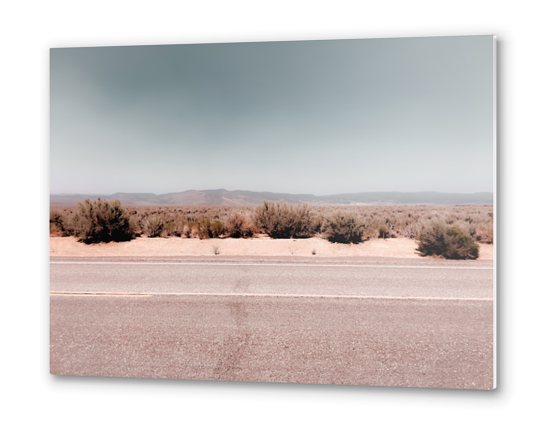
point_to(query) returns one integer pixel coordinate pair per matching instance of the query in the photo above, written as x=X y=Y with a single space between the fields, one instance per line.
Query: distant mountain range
x=223 y=197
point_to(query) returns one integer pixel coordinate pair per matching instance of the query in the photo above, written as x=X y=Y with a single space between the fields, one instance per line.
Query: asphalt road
x=385 y=322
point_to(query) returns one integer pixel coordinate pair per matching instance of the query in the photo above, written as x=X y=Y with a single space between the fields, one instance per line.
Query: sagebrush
x=100 y=221
x=282 y=220
x=153 y=226
x=239 y=225
x=435 y=237
x=343 y=226
x=308 y=220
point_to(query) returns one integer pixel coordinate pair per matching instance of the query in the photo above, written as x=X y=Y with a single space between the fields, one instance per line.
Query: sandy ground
x=262 y=246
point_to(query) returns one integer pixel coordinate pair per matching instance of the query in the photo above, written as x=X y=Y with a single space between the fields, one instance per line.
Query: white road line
x=270 y=264
x=317 y=296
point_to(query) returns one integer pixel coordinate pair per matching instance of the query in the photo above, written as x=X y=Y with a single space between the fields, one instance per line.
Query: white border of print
x=32 y=394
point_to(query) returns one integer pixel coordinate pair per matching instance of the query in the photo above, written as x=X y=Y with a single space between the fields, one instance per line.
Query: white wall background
x=29 y=29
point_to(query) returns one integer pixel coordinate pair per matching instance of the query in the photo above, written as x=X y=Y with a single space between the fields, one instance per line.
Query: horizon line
x=273 y=192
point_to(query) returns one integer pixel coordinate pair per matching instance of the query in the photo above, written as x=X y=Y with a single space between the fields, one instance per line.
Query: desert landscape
x=261 y=293
x=297 y=230
x=317 y=212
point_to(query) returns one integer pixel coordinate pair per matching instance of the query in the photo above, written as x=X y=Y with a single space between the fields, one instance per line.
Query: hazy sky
x=319 y=117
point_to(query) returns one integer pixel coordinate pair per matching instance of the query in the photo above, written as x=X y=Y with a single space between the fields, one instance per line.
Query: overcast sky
x=318 y=117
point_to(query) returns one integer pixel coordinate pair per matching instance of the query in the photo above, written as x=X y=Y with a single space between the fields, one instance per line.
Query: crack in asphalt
x=231 y=352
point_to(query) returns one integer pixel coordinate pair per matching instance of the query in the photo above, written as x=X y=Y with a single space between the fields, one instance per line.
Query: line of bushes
x=444 y=232
x=379 y=221
x=105 y=221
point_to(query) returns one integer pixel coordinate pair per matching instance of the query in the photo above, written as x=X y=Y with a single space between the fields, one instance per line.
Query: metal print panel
x=300 y=212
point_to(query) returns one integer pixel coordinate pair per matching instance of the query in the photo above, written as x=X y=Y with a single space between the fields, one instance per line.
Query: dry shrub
x=101 y=220
x=204 y=228
x=430 y=236
x=56 y=223
x=384 y=230
x=343 y=226
x=135 y=225
x=239 y=226
x=317 y=220
x=170 y=228
x=217 y=228
x=190 y=229
x=378 y=228
x=281 y=220
x=435 y=237
x=55 y=230
x=153 y=226
x=484 y=232
x=467 y=226
x=460 y=245
x=209 y=229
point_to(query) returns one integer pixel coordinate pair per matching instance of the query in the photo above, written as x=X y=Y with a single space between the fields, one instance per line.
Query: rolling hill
x=223 y=197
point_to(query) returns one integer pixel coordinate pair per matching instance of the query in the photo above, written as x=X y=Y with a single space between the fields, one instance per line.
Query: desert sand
x=259 y=246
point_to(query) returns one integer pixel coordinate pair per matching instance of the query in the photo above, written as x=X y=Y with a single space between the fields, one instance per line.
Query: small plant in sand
x=343 y=226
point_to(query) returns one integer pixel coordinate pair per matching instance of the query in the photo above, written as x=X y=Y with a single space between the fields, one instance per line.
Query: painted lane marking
x=315 y=296
x=268 y=264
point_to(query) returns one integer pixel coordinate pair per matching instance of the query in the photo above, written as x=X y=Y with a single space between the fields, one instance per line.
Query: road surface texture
x=376 y=321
